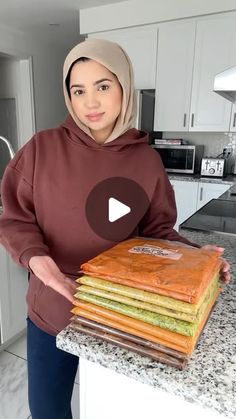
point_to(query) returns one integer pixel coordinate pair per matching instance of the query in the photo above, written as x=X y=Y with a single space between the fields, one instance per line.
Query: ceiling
x=35 y=17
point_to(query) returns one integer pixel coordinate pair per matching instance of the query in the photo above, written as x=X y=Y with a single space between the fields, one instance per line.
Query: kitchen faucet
x=9 y=146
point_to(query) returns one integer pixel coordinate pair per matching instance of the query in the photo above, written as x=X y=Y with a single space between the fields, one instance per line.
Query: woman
x=45 y=189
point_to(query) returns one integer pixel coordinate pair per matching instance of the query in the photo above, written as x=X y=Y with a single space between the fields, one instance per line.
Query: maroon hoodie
x=44 y=192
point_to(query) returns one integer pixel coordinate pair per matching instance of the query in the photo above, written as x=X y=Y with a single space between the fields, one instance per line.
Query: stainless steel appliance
x=213 y=167
x=9 y=146
x=231 y=165
x=181 y=158
x=6 y=154
x=145 y=113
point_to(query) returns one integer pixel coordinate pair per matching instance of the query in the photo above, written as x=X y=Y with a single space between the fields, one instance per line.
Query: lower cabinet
x=191 y=196
x=13 y=287
x=106 y=394
x=208 y=191
x=186 y=199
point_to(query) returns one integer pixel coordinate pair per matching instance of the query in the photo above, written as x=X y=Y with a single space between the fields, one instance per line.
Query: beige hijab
x=115 y=59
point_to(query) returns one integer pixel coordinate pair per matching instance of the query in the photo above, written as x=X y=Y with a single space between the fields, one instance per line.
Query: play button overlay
x=117 y=210
x=115 y=207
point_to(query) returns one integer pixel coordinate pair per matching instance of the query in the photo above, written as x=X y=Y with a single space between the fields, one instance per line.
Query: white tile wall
x=214 y=142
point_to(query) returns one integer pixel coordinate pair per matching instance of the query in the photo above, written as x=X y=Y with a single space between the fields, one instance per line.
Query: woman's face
x=96 y=97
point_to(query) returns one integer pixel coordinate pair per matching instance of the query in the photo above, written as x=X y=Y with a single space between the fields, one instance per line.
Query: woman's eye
x=78 y=92
x=103 y=87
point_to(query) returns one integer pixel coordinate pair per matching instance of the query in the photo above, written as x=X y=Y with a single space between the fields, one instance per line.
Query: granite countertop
x=230 y=179
x=209 y=379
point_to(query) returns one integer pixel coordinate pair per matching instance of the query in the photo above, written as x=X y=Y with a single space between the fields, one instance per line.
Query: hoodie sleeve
x=19 y=231
x=161 y=216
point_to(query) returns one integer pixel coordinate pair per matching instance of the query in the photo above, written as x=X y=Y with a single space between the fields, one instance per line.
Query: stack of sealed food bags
x=150 y=296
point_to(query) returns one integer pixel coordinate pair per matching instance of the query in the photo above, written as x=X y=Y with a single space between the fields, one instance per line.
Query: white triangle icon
x=117 y=209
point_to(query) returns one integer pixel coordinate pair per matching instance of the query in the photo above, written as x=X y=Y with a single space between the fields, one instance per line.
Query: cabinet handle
x=185 y=116
x=234 y=120
x=192 y=119
x=201 y=193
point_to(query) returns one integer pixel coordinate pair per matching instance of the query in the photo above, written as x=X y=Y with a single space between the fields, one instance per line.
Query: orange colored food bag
x=167 y=268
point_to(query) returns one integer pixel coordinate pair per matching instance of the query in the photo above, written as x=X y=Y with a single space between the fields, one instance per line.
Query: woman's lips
x=93 y=117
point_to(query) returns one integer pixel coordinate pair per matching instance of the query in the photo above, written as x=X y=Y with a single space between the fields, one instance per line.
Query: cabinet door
x=208 y=191
x=13 y=286
x=233 y=118
x=228 y=223
x=141 y=46
x=186 y=199
x=174 y=76
x=214 y=52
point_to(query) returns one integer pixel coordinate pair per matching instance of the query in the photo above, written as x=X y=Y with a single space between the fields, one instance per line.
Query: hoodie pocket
x=52 y=308
x=35 y=290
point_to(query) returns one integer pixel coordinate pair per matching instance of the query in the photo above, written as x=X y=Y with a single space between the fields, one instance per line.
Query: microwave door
x=177 y=160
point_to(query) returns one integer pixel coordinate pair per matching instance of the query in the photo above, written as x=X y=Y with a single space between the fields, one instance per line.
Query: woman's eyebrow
x=95 y=83
x=101 y=81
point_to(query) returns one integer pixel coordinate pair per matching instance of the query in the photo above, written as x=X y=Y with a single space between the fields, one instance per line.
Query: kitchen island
x=117 y=383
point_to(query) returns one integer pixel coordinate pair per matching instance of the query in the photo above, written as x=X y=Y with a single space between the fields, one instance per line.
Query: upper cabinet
x=190 y=54
x=214 y=52
x=180 y=60
x=141 y=46
x=174 y=76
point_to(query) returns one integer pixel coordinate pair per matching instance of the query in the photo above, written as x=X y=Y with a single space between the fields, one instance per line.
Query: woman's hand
x=225 y=269
x=48 y=272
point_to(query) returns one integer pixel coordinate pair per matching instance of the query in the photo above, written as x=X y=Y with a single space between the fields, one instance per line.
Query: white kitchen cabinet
x=208 y=191
x=233 y=117
x=107 y=394
x=191 y=196
x=141 y=46
x=174 y=76
x=13 y=287
x=190 y=54
x=186 y=199
x=215 y=50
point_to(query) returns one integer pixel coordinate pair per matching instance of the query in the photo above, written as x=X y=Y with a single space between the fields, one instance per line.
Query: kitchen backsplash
x=213 y=142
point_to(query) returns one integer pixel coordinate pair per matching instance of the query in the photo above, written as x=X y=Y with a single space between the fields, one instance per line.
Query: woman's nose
x=91 y=100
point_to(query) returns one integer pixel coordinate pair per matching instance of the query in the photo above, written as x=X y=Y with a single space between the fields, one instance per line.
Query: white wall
x=8 y=72
x=50 y=109
x=9 y=90
x=139 y=12
x=47 y=74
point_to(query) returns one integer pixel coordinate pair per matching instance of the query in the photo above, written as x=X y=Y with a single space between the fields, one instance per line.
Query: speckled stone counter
x=230 y=179
x=209 y=379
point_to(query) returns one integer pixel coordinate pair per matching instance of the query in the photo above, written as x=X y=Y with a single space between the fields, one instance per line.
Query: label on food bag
x=156 y=251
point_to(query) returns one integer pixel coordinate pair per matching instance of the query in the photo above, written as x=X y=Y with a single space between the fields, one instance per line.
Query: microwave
x=180 y=158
